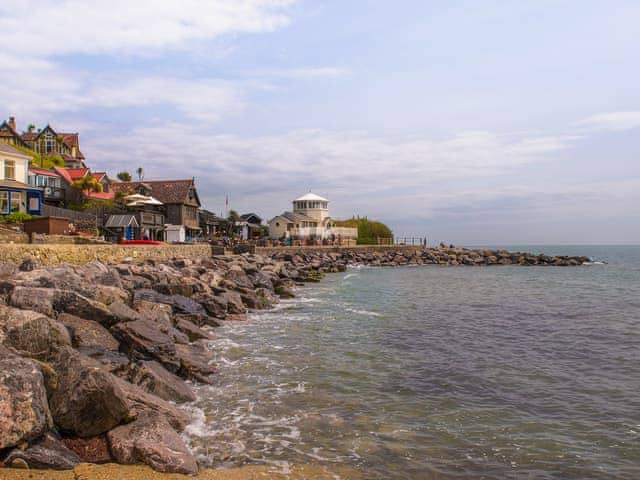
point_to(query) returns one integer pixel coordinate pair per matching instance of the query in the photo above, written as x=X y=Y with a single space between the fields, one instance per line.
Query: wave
x=363 y=312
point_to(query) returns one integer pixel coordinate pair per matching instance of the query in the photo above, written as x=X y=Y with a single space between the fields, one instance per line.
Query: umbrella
x=135 y=197
x=152 y=201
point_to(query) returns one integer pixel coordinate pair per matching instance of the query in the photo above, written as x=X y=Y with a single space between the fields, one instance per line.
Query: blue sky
x=469 y=122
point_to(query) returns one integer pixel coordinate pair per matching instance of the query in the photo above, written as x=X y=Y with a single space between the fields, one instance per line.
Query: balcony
x=149 y=219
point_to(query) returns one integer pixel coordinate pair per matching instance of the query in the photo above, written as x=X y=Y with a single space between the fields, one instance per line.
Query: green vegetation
x=87 y=185
x=38 y=160
x=124 y=176
x=370 y=232
x=16 y=217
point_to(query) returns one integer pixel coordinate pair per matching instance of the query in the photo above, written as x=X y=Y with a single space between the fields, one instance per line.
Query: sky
x=493 y=122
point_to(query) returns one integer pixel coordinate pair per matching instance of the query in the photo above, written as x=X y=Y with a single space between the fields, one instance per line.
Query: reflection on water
x=431 y=372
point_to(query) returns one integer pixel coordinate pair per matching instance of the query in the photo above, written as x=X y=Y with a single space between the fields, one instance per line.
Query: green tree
x=87 y=185
x=124 y=176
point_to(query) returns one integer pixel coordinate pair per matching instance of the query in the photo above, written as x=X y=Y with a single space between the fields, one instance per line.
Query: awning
x=121 y=221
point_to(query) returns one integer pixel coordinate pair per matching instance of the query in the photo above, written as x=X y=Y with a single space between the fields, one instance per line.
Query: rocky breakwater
x=443 y=255
x=95 y=359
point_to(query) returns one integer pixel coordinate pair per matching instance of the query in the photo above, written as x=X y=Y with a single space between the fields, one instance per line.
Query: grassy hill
x=369 y=231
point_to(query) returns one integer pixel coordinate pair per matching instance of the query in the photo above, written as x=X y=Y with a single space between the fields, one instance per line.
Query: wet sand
x=87 y=471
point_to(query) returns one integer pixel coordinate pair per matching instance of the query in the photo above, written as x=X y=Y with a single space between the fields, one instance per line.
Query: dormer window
x=49 y=143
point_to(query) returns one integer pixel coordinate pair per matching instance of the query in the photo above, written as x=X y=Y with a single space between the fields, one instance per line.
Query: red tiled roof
x=99 y=175
x=27 y=136
x=43 y=171
x=71 y=174
x=167 y=191
x=110 y=195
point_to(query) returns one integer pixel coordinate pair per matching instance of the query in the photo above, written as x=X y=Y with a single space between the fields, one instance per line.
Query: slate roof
x=167 y=191
x=121 y=221
x=297 y=217
x=246 y=216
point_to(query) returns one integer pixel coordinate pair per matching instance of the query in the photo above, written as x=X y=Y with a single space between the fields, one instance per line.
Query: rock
x=90 y=450
x=154 y=379
x=141 y=402
x=87 y=400
x=233 y=300
x=23 y=400
x=215 y=305
x=123 y=312
x=107 y=294
x=183 y=289
x=151 y=440
x=158 y=312
x=87 y=333
x=31 y=333
x=34 y=298
x=192 y=331
x=266 y=298
x=28 y=264
x=83 y=307
x=284 y=291
x=194 y=363
x=179 y=303
x=143 y=340
x=47 y=453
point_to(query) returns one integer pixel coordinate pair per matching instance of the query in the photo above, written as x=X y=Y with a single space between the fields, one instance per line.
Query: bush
x=16 y=217
x=369 y=231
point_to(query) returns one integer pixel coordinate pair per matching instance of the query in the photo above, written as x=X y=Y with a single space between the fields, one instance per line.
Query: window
x=9 y=169
x=49 y=143
x=16 y=200
x=277 y=224
x=4 y=202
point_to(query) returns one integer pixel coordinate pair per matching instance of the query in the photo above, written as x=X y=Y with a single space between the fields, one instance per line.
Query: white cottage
x=309 y=221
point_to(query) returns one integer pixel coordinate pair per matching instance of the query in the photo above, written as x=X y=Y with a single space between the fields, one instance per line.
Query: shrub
x=16 y=217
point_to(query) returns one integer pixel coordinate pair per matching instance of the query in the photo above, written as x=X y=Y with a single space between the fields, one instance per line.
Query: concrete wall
x=355 y=248
x=78 y=254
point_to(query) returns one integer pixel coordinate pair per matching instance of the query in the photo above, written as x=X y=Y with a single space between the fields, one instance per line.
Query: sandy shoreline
x=87 y=471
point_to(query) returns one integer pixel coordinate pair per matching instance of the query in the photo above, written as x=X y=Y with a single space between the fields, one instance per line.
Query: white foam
x=363 y=312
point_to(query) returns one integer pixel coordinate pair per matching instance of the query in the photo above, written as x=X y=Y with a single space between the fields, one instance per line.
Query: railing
x=51 y=211
x=148 y=218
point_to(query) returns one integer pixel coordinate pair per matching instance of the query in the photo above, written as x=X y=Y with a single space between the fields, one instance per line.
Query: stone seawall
x=53 y=254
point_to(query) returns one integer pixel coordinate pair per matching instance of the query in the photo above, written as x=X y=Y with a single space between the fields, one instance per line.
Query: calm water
x=438 y=372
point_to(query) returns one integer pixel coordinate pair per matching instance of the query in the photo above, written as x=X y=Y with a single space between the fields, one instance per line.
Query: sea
x=431 y=372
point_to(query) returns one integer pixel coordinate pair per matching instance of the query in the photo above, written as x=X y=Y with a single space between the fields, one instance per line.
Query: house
x=249 y=226
x=73 y=195
x=9 y=134
x=50 y=182
x=16 y=195
x=310 y=222
x=210 y=223
x=47 y=142
x=179 y=198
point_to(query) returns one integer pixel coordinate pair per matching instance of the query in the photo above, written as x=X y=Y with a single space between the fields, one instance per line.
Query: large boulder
x=179 y=303
x=107 y=294
x=155 y=379
x=215 y=305
x=142 y=402
x=86 y=400
x=194 y=362
x=24 y=411
x=143 y=340
x=233 y=301
x=38 y=299
x=151 y=440
x=193 y=332
x=87 y=333
x=30 y=333
x=47 y=453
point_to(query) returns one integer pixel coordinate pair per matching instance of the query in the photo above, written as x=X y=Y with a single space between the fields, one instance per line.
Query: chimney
x=12 y=123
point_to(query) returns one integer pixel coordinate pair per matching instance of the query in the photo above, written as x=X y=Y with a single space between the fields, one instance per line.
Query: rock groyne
x=96 y=358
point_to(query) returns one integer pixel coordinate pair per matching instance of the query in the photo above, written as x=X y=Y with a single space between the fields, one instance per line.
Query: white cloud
x=48 y=27
x=612 y=121
x=269 y=170
x=306 y=72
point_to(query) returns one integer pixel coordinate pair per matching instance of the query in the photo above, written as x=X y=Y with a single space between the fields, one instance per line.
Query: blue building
x=16 y=195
